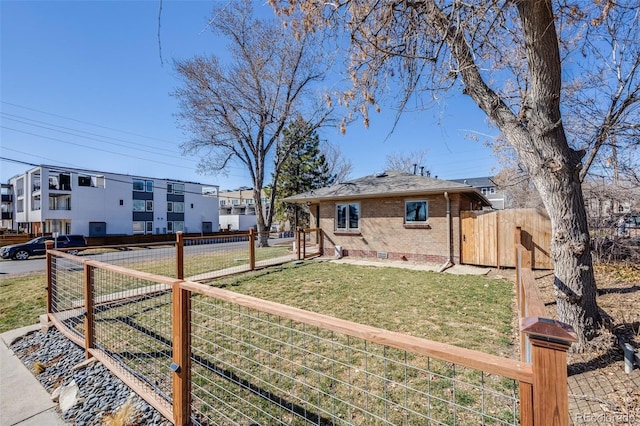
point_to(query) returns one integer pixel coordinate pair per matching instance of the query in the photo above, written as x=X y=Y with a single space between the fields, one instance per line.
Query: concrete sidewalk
x=23 y=400
x=416 y=266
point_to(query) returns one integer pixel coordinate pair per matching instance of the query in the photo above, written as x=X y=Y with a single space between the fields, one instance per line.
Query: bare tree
x=601 y=107
x=236 y=111
x=504 y=55
x=413 y=162
x=339 y=165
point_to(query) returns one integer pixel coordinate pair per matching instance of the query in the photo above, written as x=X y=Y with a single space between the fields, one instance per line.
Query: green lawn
x=470 y=311
x=22 y=300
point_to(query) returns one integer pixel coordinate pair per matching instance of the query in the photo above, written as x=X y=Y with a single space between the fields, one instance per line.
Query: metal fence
x=205 y=355
x=252 y=366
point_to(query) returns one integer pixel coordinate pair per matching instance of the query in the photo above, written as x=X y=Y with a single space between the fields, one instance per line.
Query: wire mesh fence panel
x=67 y=292
x=212 y=257
x=251 y=367
x=279 y=248
x=156 y=258
x=133 y=326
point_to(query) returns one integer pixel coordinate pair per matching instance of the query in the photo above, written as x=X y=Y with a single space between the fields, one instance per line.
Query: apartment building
x=75 y=201
x=6 y=207
x=488 y=188
x=238 y=208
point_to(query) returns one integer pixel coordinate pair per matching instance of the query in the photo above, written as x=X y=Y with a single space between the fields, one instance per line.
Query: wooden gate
x=487 y=238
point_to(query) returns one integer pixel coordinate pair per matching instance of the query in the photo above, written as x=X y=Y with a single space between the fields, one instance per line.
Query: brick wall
x=382 y=229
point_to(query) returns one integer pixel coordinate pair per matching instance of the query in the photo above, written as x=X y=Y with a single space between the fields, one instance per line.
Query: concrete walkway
x=23 y=400
x=455 y=269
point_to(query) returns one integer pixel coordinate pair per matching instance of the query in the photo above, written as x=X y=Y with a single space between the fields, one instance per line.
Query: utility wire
x=88 y=123
x=17 y=118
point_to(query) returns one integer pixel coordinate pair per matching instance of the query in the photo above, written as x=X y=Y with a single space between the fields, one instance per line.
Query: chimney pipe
x=421 y=170
x=414 y=168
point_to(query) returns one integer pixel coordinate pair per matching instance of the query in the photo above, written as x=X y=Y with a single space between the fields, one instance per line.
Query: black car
x=37 y=247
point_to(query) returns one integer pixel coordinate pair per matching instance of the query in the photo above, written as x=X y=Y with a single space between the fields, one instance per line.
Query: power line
x=81 y=132
x=86 y=122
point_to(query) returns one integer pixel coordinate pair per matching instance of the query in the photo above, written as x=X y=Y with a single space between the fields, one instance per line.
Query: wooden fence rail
x=541 y=372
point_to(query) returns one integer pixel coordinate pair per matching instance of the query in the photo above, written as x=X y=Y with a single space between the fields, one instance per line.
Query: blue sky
x=83 y=85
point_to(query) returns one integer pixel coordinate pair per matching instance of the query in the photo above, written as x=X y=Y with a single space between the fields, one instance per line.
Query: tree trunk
x=574 y=281
x=538 y=137
x=263 y=225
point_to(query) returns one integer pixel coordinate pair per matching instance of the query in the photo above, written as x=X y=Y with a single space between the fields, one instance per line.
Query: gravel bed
x=100 y=392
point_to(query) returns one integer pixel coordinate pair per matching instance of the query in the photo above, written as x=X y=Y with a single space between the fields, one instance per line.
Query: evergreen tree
x=304 y=169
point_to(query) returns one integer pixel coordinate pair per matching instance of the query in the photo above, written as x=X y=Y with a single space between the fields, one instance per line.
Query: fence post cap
x=548 y=329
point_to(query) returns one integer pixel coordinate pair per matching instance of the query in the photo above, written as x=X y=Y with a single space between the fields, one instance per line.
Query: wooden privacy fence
x=486 y=238
x=204 y=355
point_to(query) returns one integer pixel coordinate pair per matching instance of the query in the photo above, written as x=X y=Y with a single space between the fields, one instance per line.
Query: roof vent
x=383 y=174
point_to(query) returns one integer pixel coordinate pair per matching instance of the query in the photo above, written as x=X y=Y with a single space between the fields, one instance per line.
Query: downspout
x=449 y=263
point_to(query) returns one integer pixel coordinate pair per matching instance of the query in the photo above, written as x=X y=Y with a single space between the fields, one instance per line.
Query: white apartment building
x=238 y=209
x=50 y=199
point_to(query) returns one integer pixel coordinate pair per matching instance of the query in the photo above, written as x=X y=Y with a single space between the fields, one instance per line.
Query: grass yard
x=22 y=300
x=328 y=370
x=470 y=311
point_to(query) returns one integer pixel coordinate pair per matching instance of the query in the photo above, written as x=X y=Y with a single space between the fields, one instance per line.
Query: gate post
x=50 y=289
x=89 y=323
x=179 y=255
x=252 y=249
x=550 y=340
x=181 y=365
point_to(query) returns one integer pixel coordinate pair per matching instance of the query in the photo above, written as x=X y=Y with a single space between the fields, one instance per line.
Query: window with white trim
x=416 y=211
x=348 y=217
x=142 y=205
x=175 y=206
x=138 y=227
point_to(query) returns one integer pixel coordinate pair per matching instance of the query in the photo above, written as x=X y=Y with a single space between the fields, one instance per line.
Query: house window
x=84 y=180
x=142 y=205
x=223 y=202
x=416 y=211
x=178 y=188
x=486 y=191
x=91 y=181
x=347 y=216
x=175 y=206
x=143 y=185
x=149 y=227
x=138 y=227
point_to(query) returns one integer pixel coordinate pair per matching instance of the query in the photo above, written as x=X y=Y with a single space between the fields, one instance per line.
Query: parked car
x=37 y=246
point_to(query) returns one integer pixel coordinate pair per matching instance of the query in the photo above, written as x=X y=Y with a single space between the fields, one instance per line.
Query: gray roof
x=387 y=184
x=478 y=182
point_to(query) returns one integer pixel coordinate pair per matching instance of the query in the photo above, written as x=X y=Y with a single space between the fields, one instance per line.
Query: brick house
x=392 y=215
